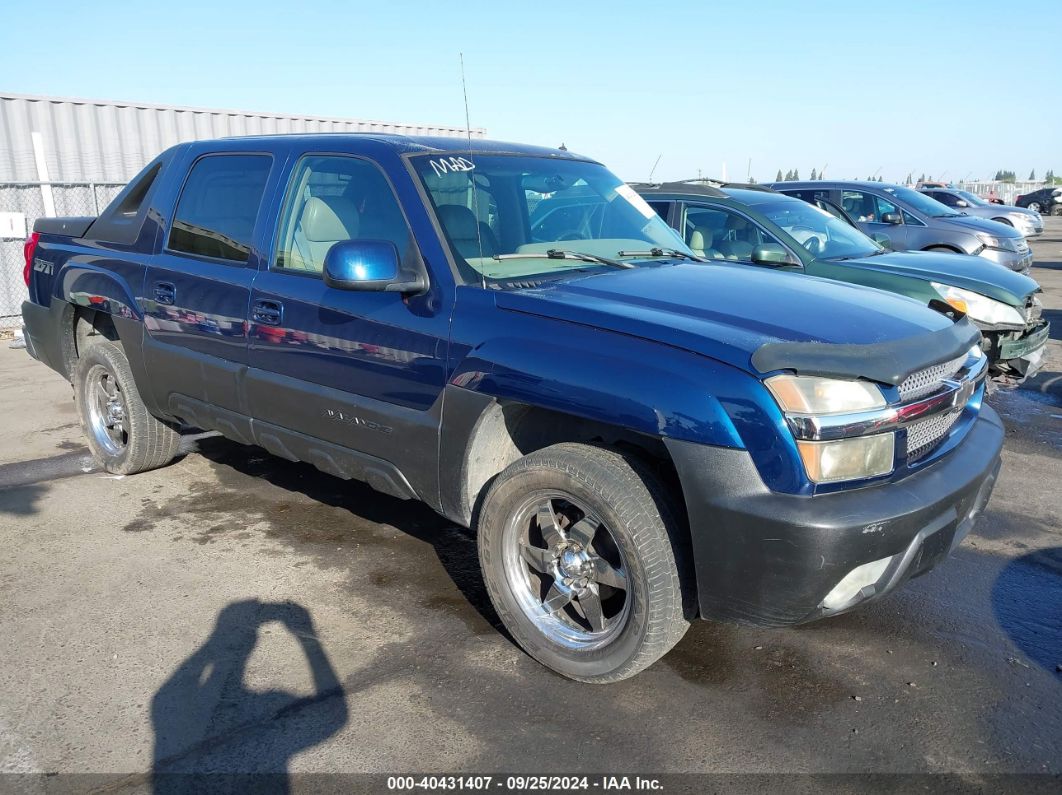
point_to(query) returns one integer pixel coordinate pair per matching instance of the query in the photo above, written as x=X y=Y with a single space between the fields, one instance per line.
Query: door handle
x=269 y=313
x=165 y=293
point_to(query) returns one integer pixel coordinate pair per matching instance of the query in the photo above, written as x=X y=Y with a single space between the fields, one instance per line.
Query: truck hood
x=971 y=223
x=959 y=270
x=728 y=312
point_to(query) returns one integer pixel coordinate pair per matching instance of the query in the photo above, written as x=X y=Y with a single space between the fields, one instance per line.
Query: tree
x=922 y=178
x=813 y=174
x=1049 y=177
x=778 y=176
x=908 y=180
x=881 y=179
x=1032 y=175
x=796 y=174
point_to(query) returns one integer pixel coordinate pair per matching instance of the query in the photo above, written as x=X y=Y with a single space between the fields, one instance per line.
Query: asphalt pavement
x=235 y=612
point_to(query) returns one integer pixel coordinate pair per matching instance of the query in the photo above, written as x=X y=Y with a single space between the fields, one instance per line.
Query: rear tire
x=1057 y=210
x=582 y=556
x=121 y=434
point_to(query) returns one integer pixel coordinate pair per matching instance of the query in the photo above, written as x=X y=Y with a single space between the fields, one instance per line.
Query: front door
x=358 y=369
x=868 y=210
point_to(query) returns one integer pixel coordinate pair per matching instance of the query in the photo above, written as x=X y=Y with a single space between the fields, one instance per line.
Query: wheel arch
x=943 y=247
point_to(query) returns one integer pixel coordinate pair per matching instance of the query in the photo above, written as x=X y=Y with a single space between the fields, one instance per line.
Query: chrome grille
x=927 y=381
x=923 y=436
x=1022 y=246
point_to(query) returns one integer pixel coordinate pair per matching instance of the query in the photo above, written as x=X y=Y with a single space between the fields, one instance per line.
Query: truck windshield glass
x=922 y=203
x=819 y=232
x=491 y=207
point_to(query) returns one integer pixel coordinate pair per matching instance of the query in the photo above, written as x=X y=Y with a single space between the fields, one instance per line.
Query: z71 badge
x=43 y=266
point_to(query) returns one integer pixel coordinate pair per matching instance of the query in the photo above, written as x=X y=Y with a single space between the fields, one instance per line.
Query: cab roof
x=412 y=144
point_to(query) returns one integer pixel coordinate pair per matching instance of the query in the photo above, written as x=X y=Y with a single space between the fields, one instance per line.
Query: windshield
x=973 y=198
x=819 y=232
x=922 y=203
x=502 y=214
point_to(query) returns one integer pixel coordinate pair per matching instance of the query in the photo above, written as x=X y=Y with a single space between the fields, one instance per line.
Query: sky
x=951 y=90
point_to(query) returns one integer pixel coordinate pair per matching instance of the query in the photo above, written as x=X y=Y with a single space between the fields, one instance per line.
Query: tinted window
x=944 y=197
x=332 y=199
x=218 y=206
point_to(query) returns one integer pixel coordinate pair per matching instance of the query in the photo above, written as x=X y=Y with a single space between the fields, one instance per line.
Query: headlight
x=798 y=394
x=991 y=241
x=979 y=307
x=848 y=459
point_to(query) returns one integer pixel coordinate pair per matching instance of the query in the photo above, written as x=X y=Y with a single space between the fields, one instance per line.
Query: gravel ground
x=238 y=613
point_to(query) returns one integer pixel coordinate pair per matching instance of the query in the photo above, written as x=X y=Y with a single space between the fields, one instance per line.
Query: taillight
x=29 y=250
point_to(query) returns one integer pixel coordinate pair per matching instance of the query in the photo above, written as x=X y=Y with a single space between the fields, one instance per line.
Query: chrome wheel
x=107 y=411
x=567 y=572
x=1034 y=206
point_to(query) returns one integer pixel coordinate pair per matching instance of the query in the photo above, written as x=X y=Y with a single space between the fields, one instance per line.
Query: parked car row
x=696 y=405
x=763 y=227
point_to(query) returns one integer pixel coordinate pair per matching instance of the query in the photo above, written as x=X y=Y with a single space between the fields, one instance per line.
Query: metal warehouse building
x=71 y=157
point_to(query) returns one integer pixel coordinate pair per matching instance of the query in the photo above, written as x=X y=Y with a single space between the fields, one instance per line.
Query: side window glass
x=885 y=206
x=910 y=220
x=331 y=199
x=717 y=233
x=216 y=213
x=865 y=207
x=662 y=208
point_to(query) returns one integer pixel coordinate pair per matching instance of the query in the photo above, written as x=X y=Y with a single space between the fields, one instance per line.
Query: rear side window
x=216 y=213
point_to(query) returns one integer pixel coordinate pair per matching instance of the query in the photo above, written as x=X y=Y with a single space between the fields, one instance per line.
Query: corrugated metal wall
x=91 y=140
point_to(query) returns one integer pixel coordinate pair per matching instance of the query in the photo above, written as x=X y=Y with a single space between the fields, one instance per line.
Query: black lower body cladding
x=773 y=559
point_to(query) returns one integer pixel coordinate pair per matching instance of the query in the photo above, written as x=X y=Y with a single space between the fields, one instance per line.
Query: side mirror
x=962 y=203
x=892 y=218
x=882 y=240
x=369 y=265
x=771 y=254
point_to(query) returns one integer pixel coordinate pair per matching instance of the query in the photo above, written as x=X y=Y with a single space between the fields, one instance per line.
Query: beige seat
x=701 y=239
x=470 y=238
x=736 y=244
x=324 y=221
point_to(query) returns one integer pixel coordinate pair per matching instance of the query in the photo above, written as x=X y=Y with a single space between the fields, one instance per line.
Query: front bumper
x=1023 y=356
x=771 y=559
x=1013 y=260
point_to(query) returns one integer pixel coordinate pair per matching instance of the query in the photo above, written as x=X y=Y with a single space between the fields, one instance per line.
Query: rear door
x=197 y=288
x=358 y=369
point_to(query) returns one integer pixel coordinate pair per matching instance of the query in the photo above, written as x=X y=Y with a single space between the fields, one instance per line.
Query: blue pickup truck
x=638 y=437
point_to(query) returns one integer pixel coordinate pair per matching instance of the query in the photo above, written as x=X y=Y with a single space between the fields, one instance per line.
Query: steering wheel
x=812 y=242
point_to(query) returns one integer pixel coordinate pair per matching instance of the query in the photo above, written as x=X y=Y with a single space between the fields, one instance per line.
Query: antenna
x=653 y=169
x=748 y=173
x=471 y=178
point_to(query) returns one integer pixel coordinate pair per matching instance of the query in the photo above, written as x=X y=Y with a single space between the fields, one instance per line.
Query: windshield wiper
x=662 y=252
x=556 y=253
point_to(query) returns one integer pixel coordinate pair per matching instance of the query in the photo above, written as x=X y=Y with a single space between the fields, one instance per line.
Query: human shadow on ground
x=214 y=734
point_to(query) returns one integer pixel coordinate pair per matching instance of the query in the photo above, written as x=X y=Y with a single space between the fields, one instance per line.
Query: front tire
x=1034 y=206
x=582 y=558
x=121 y=434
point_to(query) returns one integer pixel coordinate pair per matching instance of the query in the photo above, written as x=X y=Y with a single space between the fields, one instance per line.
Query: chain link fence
x=21 y=204
x=1007 y=191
